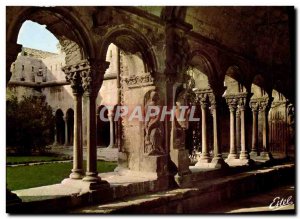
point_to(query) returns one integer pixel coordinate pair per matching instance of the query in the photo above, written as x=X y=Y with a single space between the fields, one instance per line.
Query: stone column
x=238 y=129
x=204 y=158
x=92 y=78
x=232 y=103
x=66 y=131
x=12 y=50
x=175 y=135
x=264 y=109
x=244 y=155
x=111 y=128
x=217 y=159
x=55 y=135
x=118 y=123
x=73 y=76
x=254 y=146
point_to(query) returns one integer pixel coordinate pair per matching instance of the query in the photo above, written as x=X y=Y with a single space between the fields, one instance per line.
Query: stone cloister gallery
x=233 y=65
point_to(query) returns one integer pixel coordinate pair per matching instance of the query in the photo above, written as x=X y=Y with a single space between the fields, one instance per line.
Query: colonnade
x=86 y=78
x=237 y=104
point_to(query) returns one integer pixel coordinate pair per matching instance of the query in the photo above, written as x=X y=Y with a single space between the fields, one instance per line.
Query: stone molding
x=141 y=80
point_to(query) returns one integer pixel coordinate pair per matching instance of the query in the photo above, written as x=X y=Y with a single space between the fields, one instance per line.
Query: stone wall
x=36 y=73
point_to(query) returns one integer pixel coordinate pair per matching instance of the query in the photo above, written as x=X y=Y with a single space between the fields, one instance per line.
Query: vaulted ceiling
x=264 y=35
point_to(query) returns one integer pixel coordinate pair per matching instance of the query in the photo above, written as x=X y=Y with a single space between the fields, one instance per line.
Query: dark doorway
x=70 y=126
x=103 y=127
x=60 y=127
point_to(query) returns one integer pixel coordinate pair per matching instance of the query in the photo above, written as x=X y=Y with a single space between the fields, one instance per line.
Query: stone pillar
x=92 y=78
x=66 y=131
x=217 y=160
x=55 y=135
x=254 y=146
x=264 y=109
x=176 y=134
x=204 y=158
x=111 y=128
x=232 y=103
x=73 y=76
x=12 y=50
x=118 y=123
x=244 y=154
x=238 y=129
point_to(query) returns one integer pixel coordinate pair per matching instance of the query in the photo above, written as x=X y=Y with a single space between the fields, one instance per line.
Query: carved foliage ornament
x=87 y=74
x=261 y=104
x=74 y=79
x=141 y=80
x=232 y=102
x=92 y=77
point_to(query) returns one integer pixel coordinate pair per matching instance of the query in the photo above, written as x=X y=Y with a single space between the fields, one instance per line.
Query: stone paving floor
x=260 y=203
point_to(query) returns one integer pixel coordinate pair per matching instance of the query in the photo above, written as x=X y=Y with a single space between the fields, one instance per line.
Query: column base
x=247 y=162
x=76 y=174
x=91 y=177
x=232 y=156
x=219 y=163
x=184 y=180
x=254 y=154
x=266 y=155
x=180 y=158
x=112 y=146
x=203 y=162
x=155 y=164
x=244 y=156
x=237 y=162
x=85 y=186
x=204 y=158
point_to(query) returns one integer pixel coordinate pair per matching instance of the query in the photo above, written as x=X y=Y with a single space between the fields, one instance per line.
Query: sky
x=36 y=36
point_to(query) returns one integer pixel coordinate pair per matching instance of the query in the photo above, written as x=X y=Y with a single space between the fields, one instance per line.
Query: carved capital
x=263 y=106
x=254 y=105
x=203 y=99
x=74 y=79
x=232 y=103
x=92 y=76
x=242 y=100
x=73 y=76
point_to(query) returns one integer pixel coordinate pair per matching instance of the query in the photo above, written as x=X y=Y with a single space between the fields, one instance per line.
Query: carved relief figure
x=154 y=128
x=182 y=113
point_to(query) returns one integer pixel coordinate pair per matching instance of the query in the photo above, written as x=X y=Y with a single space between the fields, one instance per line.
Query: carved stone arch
x=259 y=86
x=203 y=62
x=74 y=29
x=233 y=80
x=134 y=40
x=277 y=91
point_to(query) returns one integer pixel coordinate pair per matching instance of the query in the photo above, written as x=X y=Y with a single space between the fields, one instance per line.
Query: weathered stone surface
x=219 y=60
